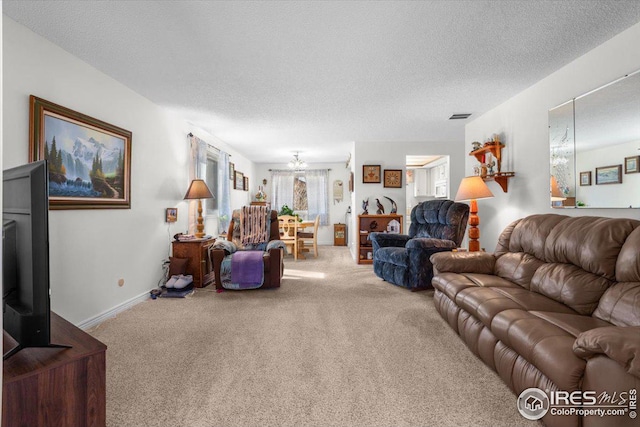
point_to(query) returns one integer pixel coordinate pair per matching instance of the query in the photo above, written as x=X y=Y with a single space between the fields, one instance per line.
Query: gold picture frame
x=89 y=160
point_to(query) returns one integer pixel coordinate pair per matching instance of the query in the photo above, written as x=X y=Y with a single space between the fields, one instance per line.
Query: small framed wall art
x=171 y=215
x=585 y=178
x=245 y=183
x=371 y=174
x=393 y=178
x=232 y=171
x=238 y=182
x=632 y=164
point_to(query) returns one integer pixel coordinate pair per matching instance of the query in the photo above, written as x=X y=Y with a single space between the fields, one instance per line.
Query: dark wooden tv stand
x=55 y=386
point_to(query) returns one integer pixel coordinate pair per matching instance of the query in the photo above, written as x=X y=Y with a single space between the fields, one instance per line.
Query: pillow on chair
x=225 y=245
x=177 y=266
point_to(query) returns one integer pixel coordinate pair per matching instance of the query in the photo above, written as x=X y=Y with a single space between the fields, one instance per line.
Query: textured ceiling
x=271 y=78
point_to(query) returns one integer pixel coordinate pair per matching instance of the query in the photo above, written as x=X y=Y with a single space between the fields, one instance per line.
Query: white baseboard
x=113 y=312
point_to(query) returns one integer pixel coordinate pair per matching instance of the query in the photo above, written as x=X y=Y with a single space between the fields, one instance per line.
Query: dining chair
x=288 y=228
x=311 y=237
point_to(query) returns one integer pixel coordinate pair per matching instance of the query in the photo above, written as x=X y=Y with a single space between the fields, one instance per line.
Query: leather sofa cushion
x=590 y=243
x=574 y=324
x=452 y=283
x=530 y=234
x=519 y=267
x=628 y=264
x=533 y=301
x=570 y=285
x=543 y=344
x=486 y=303
x=619 y=305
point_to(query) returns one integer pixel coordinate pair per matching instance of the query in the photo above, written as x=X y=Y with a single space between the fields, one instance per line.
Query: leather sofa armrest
x=384 y=240
x=619 y=343
x=463 y=262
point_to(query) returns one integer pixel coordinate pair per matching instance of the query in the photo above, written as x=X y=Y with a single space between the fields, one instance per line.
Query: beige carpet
x=334 y=346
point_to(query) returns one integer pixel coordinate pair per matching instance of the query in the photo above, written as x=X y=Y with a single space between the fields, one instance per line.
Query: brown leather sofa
x=556 y=307
x=273 y=258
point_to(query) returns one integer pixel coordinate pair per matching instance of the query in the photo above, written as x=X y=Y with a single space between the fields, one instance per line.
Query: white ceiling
x=271 y=78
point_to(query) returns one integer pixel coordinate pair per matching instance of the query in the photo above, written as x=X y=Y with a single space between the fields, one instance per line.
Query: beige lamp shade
x=473 y=187
x=556 y=194
x=198 y=190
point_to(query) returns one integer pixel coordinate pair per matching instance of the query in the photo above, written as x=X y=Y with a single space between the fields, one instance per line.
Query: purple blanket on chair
x=247 y=269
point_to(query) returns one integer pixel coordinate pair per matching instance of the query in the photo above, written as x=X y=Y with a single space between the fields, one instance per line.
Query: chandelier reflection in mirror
x=297 y=164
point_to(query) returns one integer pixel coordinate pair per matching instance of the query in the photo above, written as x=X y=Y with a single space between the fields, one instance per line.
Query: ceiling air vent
x=460 y=116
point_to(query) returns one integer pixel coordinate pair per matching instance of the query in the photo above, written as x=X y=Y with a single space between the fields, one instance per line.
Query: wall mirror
x=594 y=142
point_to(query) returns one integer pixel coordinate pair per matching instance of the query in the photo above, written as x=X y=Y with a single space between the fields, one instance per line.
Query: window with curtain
x=304 y=192
x=212 y=165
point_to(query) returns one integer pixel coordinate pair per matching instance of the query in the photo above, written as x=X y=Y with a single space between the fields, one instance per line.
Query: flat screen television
x=25 y=256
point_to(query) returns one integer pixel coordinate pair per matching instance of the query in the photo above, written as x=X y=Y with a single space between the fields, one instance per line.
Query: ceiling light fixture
x=296 y=164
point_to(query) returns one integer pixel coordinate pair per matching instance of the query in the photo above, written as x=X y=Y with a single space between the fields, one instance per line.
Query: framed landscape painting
x=609 y=175
x=89 y=160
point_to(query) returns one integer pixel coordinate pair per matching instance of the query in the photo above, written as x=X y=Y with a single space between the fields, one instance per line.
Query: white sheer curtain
x=224 y=192
x=318 y=194
x=281 y=189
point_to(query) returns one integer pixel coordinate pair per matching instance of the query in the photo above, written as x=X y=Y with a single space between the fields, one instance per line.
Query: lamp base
x=474 y=231
x=200 y=226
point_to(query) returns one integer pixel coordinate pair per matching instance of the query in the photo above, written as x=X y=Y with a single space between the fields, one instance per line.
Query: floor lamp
x=199 y=190
x=473 y=188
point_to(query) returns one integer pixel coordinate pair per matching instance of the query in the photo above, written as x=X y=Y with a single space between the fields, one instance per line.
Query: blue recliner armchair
x=401 y=259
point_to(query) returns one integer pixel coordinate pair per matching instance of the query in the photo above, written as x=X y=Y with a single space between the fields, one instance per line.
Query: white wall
x=91 y=249
x=522 y=122
x=337 y=210
x=392 y=155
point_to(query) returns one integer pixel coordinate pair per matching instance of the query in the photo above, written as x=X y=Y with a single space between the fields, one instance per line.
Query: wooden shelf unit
x=502 y=178
x=370 y=224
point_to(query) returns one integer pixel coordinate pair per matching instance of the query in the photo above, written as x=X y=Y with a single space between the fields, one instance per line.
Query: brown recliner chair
x=273 y=258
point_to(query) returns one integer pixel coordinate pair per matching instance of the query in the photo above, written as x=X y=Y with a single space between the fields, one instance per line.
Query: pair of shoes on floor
x=179 y=281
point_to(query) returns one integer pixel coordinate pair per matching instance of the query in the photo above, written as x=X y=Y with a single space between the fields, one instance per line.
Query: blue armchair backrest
x=439 y=219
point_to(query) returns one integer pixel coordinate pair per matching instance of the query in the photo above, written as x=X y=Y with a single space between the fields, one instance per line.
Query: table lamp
x=473 y=188
x=198 y=190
